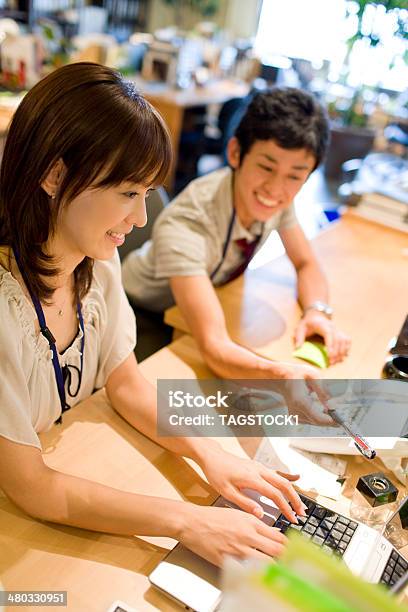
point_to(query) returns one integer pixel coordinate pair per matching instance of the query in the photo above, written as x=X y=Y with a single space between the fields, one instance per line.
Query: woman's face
x=98 y=220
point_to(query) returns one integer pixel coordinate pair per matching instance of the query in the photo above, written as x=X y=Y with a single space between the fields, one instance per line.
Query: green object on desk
x=314 y=352
x=327 y=572
x=301 y=594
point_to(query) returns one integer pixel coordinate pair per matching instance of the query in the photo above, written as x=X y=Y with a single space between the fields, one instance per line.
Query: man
x=207 y=236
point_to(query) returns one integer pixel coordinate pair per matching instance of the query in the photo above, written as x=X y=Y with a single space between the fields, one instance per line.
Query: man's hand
x=314 y=322
x=299 y=382
x=229 y=475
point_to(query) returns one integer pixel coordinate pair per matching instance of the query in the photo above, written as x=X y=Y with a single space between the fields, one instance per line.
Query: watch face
x=328 y=310
x=322 y=307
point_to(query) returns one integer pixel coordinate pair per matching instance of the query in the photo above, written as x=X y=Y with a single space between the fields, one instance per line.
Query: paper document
x=318 y=472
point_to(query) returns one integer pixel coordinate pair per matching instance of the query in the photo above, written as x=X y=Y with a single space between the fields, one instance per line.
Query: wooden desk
x=94 y=442
x=367 y=271
x=94 y=568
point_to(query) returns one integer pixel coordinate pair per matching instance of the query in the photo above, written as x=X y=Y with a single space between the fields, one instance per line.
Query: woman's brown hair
x=104 y=131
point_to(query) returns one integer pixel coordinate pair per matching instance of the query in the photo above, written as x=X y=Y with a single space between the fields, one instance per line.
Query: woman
x=83 y=151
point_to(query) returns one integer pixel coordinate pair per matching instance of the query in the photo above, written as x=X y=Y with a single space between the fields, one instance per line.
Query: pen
x=360 y=443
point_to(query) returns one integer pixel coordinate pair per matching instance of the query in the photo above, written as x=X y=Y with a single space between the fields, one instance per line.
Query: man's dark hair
x=104 y=131
x=293 y=118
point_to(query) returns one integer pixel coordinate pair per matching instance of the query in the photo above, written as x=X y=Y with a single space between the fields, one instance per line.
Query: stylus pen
x=400 y=584
x=361 y=444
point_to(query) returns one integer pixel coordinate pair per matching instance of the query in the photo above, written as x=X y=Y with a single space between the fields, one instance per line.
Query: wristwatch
x=320 y=307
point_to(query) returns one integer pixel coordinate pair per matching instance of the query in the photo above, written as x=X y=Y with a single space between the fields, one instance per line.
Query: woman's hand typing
x=214 y=533
x=229 y=475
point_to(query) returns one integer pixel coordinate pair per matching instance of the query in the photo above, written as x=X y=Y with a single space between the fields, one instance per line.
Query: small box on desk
x=377 y=489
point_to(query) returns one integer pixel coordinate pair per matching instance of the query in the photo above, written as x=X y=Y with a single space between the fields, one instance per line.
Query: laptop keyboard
x=324 y=527
x=332 y=532
x=395 y=568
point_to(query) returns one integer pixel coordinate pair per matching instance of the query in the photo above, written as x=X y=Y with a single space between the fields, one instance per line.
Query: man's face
x=268 y=178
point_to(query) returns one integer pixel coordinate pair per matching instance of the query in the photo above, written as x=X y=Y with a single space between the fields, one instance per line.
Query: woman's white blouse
x=29 y=400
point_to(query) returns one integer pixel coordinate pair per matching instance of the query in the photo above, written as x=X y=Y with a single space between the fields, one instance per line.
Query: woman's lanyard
x=227 y=241
x=52 y=342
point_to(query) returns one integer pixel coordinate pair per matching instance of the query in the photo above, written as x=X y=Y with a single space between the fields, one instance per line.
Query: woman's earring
x=53 y=196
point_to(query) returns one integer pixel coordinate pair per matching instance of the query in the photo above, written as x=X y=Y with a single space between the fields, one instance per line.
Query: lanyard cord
x=227 y=241
x=46 y=332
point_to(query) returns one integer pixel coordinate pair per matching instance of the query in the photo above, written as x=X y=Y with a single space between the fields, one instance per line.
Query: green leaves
x=401 y=11
x=206 y=8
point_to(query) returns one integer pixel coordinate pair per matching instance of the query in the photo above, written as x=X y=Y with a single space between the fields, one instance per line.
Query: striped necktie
x=247 y=249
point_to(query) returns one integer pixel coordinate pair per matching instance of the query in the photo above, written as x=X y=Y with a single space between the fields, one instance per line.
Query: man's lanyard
x=226 y=245
x=227 y=241
x=46 y=332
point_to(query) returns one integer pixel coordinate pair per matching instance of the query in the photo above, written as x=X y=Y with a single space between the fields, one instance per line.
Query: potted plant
x=204 y=8
x=352 y=136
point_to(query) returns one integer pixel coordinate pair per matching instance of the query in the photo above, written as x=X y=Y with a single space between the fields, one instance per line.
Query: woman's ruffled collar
x=13 y=291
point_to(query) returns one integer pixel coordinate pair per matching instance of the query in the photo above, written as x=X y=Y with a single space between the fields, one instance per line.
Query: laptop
x=195 y=583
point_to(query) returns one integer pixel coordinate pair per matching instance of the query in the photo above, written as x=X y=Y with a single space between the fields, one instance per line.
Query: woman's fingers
x=287 y=489
x=272 y=532
x=272 y=485
x=253 y=553
x=270 y=491
x=288 y=476
x=270 y=547
x=267 y=540
x=245 y=503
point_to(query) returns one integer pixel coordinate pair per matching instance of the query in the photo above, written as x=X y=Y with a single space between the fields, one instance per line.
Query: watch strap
x=320 y=306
